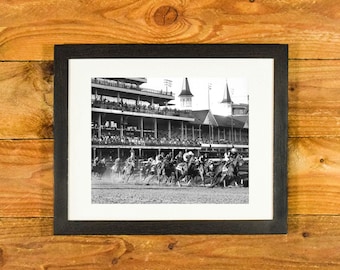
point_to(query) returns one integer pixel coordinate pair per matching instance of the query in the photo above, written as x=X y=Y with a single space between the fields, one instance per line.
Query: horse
x=206 y=169
x=145 y=169
x=169 y=171
x=128 y=170
x=187 y=171
x=153 y=169
x=98 y=168
x=228 y=171
x=117 y=167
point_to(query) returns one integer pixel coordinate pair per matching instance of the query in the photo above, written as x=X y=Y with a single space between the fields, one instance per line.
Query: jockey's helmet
x=233 y=151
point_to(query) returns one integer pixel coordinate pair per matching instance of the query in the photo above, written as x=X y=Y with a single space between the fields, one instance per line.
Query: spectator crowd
x=148 y=140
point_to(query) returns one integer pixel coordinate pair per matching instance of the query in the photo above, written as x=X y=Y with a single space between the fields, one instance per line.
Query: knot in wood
x=305 y=234
x=172 y=245
x=165 y=15
x=114 y=261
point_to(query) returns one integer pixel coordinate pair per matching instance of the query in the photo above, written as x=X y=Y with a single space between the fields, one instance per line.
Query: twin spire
x=186 y=95
x=186 y=89
x=226 y=95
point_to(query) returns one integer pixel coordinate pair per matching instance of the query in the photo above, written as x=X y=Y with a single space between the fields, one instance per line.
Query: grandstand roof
x=226 y=121
x=205 y=117
x=244 y=119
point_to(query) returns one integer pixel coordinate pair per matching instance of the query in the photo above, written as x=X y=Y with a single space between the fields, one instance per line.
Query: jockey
x=150 y=160
x=203 y=158
x=230 y=155
x=116 y=166
x=131 y=159
x=102 y=161
x=149 y=163
x=159 y=158
x=179 y=157
x=95 y=161
x=233 y=152
x=168 y=157
x=117 y=160
x=187 y=156
x=109 y=162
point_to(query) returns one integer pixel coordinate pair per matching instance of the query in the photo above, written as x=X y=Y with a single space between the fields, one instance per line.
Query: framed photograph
x=171 y=139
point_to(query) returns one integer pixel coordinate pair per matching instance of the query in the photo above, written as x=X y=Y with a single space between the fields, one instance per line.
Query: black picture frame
x=64 y=53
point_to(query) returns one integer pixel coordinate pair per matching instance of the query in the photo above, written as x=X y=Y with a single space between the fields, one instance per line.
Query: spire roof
x=185 y=89
x=226 y=95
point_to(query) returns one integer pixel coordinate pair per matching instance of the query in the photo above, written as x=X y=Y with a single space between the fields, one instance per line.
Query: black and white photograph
x=169 y=140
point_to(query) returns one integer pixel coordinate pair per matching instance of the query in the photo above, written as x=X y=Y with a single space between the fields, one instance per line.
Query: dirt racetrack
x=108 y=191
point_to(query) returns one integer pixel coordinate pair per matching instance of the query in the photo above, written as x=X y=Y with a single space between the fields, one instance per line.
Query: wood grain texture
x=26 y=103
x=313 y=175
x=26 y=178
x=312 y=242
x=29 y=30
x=314 y=107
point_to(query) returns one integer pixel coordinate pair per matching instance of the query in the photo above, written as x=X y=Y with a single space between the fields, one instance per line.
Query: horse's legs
x=215 y=181
x=178 y=182
x=172 y=178
x=226 y=179
x=159 y=179
x=223 y=179
x=201 y=172
x=188 y=179
x=151 y=177
x=160 y=176
x=177 y=179
x=112 y=175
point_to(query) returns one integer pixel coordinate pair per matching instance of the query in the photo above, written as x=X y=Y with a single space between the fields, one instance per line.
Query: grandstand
x=127 y=116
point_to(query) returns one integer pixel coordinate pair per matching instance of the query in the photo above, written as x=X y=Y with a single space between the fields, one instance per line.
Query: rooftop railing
x=158 y=91
x=125 y=85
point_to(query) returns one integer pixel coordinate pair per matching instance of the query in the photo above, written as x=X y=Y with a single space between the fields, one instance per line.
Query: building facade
x=127 y=116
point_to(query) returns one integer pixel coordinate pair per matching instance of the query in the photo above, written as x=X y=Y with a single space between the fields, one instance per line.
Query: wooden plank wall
x=28 y=31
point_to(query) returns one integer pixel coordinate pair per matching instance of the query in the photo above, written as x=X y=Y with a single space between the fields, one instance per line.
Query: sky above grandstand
x=238 y=89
